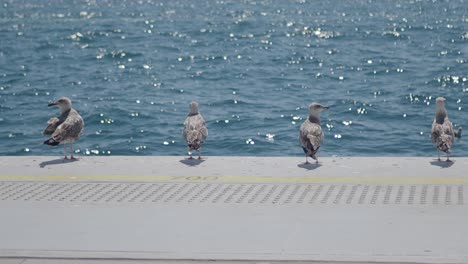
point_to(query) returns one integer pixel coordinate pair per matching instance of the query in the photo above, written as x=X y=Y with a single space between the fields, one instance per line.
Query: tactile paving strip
x=235 y=193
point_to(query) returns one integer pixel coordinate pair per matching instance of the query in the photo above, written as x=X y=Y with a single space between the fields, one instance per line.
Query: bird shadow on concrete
x=192 y=162
x=309 y=166
x=442 y=163
x=56 y=162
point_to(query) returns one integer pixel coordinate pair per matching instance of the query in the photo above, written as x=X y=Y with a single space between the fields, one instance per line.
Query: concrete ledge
x=233 y=209
x=147 y=168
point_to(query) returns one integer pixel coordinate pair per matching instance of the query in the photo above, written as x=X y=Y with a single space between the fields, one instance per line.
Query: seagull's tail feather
x=51 y=142
x=193 y=140
x=445 y=144
x=311 y=151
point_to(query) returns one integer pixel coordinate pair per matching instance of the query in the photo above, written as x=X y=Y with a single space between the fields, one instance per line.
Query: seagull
x=310 y=133
x=66 y=128
x=195 y=131
x=442 y=134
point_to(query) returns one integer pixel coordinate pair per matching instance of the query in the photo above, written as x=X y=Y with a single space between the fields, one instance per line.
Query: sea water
x=131 y=69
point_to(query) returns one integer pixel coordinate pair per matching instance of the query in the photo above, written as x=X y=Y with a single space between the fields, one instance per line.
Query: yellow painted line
x=233 y=179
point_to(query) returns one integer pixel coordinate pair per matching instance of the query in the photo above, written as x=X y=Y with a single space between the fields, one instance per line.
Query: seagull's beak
x=52 y=104
x=325 y=107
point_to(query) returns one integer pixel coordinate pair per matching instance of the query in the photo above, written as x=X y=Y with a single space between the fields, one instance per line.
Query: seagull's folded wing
x=52 y=125
x=68 y=129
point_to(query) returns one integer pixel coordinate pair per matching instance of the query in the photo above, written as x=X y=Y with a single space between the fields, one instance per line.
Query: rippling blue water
x=132 y=67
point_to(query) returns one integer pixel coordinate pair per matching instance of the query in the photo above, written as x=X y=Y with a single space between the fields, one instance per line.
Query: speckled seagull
x=66 y=128
x=195 y=131
x=442 y=134
x=310 y=133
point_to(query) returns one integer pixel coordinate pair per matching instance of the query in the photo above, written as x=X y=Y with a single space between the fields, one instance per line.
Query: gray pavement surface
x=114 y=261
x=233 y=210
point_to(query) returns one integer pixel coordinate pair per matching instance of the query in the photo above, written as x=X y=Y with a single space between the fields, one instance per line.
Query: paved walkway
x=233 y=209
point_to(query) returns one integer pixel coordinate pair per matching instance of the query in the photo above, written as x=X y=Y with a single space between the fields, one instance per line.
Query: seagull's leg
x=199 y=154
x=307 y=161
x=448 y=158
x=65 y=151
x=316 y=160
x=438 y=155
x=71 y=153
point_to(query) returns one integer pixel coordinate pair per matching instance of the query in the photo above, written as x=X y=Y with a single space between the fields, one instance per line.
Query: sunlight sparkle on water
x=270 y=137
x=249 y=141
